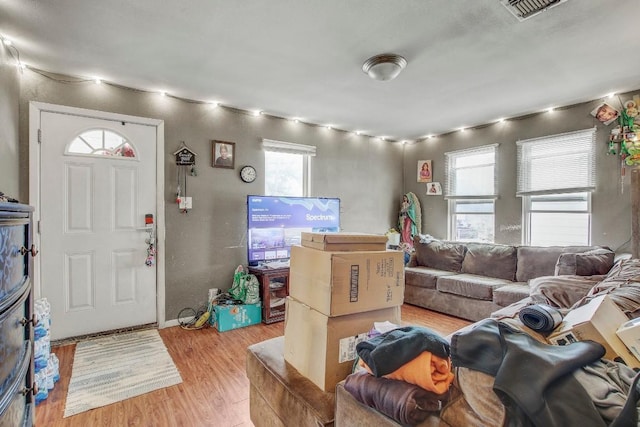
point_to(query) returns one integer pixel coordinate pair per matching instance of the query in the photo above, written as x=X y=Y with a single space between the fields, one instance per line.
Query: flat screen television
x=275 y=223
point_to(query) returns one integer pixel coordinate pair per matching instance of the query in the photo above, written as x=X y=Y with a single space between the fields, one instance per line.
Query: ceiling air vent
x=525 y=9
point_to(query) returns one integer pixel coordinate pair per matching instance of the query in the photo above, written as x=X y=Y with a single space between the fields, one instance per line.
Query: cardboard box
x=323 y=348
x=629 y=334
x=597 y=321
x=339 y=283
x=344 y=241
x=228 y=317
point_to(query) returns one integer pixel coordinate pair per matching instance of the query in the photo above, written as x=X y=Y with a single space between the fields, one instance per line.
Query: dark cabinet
x=274 y=288
x=16 y=315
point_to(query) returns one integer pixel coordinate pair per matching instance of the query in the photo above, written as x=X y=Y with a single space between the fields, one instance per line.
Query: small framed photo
x=434 y=189
x=605 y=113
x=424 y=171
x=224 y=154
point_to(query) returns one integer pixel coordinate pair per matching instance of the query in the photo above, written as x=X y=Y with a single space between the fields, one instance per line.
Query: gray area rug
x=114 y=368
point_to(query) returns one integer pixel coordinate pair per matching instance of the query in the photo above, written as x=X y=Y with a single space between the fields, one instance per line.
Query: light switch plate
x=186 y=203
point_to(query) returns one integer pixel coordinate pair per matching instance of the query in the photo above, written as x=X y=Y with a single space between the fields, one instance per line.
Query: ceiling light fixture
x=384 y=67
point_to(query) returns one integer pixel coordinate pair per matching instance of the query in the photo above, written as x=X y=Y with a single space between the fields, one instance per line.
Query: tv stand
x=274 y=289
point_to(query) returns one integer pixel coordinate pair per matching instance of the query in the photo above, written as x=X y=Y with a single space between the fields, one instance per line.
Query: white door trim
x=35 y=110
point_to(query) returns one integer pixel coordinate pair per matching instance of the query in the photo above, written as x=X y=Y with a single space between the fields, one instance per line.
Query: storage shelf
x=274 y=283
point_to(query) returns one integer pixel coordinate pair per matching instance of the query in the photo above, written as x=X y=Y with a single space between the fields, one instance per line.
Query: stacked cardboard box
x=339 y=285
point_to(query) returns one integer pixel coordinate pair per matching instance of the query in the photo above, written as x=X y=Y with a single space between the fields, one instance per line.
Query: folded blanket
x=405 y=403
x=388 y=352
x=427 y=371
x=540 y=317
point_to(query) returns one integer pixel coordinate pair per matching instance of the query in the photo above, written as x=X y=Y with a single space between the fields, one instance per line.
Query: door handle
x=33 y=251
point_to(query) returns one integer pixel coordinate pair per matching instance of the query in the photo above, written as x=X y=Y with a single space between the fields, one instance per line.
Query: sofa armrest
x=413 y=260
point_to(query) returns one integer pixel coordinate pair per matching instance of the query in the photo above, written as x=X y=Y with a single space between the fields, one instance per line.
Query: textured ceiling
x=469 y=62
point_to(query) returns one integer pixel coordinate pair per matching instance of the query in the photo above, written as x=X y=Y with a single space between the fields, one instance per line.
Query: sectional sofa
x=473 y=280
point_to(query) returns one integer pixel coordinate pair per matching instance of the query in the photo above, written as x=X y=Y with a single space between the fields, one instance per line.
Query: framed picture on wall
x=224 y=154
x=605 y=113
x=434 y=189
x=424 y=171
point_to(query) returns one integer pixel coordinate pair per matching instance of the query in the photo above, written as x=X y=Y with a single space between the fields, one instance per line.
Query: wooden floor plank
x=215 y=388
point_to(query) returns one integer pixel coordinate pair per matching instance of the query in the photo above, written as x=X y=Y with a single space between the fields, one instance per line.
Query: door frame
x=35 y=110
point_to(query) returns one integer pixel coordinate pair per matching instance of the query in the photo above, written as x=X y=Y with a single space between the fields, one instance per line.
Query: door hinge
x=39 y=136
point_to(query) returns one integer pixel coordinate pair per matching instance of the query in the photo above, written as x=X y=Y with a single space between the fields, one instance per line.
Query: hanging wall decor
x=623 y=138
x=425 y=173
x=223 y=154
x=185 y=161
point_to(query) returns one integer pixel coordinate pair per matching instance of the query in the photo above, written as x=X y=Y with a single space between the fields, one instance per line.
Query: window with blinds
x=471 y=188
x=471 y=173
x=562 y=163
x=287 y=168
x=556 y=176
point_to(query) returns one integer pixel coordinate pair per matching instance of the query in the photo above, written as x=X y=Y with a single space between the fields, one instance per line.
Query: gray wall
x=611 y=205
x=204 y=247
x=9 y=102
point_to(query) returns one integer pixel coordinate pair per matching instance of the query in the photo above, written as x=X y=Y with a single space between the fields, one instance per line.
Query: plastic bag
x=246 y=287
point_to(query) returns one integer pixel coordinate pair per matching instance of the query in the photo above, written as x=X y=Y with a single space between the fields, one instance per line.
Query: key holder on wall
x=185 y=162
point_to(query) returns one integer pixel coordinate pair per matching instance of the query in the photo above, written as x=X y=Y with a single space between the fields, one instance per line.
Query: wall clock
x=248 y=174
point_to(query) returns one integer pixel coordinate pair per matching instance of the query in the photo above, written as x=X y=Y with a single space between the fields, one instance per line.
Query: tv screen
x=275 y=223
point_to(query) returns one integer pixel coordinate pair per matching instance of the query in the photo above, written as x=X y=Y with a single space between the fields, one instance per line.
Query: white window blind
x=563 y=163
x=471 y=173
x=288 y=147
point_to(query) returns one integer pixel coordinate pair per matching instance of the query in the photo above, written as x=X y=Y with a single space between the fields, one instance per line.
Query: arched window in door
x=101 y=143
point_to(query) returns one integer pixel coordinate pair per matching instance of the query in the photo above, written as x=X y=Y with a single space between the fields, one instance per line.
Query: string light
x=14 y=52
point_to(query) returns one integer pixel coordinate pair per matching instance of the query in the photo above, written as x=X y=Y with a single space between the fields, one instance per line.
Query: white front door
x=94 y=195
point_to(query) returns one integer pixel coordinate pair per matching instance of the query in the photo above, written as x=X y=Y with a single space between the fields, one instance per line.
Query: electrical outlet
x=186 y=203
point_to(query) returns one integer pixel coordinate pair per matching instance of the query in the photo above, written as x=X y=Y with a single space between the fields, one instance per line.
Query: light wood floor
x=215 y=388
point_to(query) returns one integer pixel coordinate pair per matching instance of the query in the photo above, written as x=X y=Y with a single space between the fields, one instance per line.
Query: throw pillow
x=440 y=255
x=590 y=263
x=491 y=260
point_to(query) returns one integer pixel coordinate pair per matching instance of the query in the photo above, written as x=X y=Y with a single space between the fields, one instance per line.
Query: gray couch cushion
x=491 y=260
x=506 y=295
x=597 y=261
x=470 y=286
x=423 y=277
x=440 y=255
x=537 y=261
